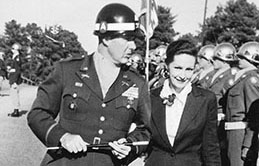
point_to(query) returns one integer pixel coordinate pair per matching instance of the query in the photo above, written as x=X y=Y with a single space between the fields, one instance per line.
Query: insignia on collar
x=231 y=82
x=85 y=75
x=124 y=83
x=234 y=71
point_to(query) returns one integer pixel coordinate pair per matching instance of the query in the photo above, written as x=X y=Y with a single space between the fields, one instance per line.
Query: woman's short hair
x=181 y=46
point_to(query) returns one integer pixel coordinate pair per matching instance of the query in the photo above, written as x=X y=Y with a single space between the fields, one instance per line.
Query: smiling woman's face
x=181 y=70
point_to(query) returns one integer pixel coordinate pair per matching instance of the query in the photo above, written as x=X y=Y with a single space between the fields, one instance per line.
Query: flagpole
x=147 y=40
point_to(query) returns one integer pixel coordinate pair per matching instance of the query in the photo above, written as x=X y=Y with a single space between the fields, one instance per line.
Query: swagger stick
x=105 y=145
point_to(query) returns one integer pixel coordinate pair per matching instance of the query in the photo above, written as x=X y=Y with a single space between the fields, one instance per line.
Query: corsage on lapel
x=131 y=94
x=167 y=94
x=169 y=100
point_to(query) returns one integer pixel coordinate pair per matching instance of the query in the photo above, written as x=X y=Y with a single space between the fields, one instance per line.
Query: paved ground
x=18 y=145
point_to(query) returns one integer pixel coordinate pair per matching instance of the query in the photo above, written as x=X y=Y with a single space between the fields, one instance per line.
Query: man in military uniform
x=240 y=96
x=15 y=79
x=224 y=55
x=206 y=67
x=96 y=99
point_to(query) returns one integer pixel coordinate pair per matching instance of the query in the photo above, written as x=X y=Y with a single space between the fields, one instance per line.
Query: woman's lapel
x=158 y=115
x=191 y=109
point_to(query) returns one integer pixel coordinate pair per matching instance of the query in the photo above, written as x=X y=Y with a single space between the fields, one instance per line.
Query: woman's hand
x=119 y=149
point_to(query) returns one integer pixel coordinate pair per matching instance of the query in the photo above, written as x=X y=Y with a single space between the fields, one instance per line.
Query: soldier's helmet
x=136 y=58
x=226 y=52
x=250 y=51
x=161 y=50
x=16 y=46
x=115 y=20
x=206 y=52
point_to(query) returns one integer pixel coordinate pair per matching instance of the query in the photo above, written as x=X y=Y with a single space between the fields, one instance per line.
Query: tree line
x=236 y=22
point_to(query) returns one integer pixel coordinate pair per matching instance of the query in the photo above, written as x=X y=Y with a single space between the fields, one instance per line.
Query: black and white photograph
x=129 y=83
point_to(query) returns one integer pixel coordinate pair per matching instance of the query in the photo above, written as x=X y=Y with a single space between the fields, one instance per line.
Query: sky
x=79 y=16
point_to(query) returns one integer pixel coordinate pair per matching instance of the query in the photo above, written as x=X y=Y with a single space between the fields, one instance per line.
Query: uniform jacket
x=15 y=77
x=239 y=99
x=204 y=82
x=73 y=92
x=196 y=140
x=217 y=86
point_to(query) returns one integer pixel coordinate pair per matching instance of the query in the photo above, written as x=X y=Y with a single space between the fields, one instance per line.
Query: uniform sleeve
x=210 y=144
x=142 y=130
x=45 y=109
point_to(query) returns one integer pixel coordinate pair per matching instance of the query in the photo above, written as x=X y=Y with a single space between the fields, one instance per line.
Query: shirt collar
x=167 y=90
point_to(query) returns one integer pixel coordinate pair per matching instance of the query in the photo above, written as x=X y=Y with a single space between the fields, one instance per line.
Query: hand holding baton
x=105 y=145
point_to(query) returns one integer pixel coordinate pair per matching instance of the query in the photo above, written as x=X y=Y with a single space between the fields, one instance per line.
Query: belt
x=97 y=140
x=221 y=116
x=235 y=125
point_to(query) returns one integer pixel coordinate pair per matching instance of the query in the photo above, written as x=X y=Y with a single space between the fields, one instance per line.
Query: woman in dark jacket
x=184 y=117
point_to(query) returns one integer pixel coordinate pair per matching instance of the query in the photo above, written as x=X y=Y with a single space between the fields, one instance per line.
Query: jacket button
x=74 y=95
x=72 y=106
x=102 y=118
x=100 y=131
x=103 y=105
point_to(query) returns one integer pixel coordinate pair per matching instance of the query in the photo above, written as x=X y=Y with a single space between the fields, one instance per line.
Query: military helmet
x=206 y=52
x=225 y=52
x=116 y=19
x=137 y=58
x=250 y=51
x=161 y=50
x=16 y=46
x=137 y=62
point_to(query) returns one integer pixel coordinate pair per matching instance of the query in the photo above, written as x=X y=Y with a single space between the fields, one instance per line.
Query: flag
x=148 y=24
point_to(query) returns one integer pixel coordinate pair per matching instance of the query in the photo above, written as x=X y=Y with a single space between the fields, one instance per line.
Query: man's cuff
x=54 y=135
x=134 y=149
x=62 y=138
